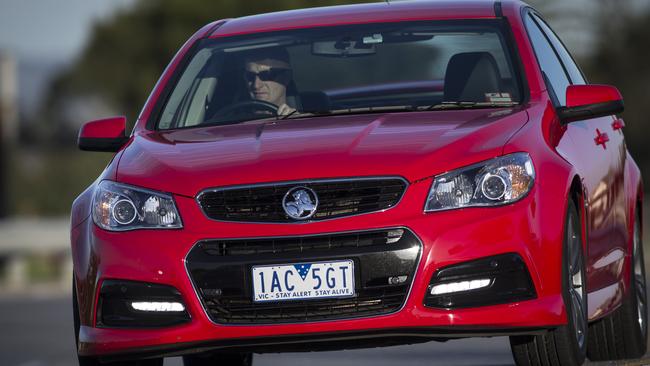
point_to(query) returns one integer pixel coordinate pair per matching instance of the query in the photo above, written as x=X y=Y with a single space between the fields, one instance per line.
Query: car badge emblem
x=300 y=203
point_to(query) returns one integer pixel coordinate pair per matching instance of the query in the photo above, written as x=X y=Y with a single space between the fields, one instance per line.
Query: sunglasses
x=272 y=74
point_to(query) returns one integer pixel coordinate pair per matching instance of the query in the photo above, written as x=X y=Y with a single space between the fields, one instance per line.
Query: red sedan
x=362 y=176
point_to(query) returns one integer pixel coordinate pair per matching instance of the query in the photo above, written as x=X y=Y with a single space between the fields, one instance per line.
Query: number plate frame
x=323 y=292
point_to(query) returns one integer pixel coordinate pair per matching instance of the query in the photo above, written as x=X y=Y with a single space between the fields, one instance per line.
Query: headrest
x=293 y=98
x=315 y=102
x=470 y=76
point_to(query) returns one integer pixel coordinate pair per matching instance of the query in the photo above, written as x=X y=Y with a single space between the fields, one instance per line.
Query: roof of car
x=357 y=14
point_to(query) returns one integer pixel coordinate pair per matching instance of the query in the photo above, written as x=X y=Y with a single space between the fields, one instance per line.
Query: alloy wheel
x=639 y=280
x=576 y=283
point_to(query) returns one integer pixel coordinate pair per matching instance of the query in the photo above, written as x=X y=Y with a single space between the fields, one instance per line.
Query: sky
x=50 y=29
x=44 y=36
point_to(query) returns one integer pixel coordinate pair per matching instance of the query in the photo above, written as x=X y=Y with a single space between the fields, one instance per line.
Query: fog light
x=447 y=288
x=139 y=305
x=157 y=306
x=485 y=281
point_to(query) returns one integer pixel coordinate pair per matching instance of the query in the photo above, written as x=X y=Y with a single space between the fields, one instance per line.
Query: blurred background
x=63 y=62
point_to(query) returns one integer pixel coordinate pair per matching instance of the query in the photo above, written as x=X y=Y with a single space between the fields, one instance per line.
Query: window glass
x=567 y=60
x=549 y=63
x=186 y=91
x=327 y=70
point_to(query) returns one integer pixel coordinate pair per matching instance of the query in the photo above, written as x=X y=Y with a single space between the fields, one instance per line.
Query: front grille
x=221 y=273
x=373 y=302
x=300 y=244
x=337 y=198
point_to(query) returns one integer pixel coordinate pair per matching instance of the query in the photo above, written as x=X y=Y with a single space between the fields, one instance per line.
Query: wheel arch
x=634 y=199
x=639 y=209
x=638 y=206
x=633 y=190
x=577 y=195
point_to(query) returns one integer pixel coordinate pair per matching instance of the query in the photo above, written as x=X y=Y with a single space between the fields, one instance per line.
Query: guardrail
x=25 y=244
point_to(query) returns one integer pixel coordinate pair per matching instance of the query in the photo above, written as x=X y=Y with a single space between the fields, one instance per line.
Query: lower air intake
x=487 y=281
x=384 y=262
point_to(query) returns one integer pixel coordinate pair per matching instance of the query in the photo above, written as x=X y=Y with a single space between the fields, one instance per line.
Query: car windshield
x=405 y=66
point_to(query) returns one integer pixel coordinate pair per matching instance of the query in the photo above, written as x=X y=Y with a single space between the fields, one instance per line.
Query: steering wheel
x=250 y=106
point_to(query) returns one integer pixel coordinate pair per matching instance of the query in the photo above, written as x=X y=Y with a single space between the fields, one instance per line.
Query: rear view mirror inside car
x=347 y=46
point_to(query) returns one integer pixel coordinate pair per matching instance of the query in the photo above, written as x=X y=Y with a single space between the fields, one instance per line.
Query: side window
x=184 y=99
x=556 y=78
x=572 y=69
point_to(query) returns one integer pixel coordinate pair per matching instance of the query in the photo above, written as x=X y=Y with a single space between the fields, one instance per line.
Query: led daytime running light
x=158 y=306
x=448 y=288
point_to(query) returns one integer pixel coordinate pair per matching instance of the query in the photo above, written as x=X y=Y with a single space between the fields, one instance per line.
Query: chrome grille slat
x=337 y=198
x=299 y=244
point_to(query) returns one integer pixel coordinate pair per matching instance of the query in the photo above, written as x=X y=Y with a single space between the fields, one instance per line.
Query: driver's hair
x=274 y=53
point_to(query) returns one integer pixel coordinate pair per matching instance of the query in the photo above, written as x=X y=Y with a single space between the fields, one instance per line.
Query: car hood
x=413 y=145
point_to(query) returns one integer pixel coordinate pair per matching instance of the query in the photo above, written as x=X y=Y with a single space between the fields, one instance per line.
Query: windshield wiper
x=397 y=108
x=364 y=110
x=402 y=108
x=469 y=105
x=343 y=111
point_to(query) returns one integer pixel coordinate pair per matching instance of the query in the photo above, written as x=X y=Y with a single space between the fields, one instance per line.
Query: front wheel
x=565 y=345
x=624 y=333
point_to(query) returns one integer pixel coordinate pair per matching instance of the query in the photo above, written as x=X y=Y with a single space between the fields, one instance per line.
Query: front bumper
x=314 y=342
x=157 y=256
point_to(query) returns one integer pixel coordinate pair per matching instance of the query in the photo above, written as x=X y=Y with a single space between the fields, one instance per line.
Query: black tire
x=565 y=345
x=624 y=333
x=93 y=361
x=219 y=359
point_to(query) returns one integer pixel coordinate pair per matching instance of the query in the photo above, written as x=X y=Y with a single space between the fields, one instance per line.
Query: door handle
x=618 y=124
x=601 y=138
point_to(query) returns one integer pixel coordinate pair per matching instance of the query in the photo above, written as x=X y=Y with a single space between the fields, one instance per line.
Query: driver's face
x=266 y=80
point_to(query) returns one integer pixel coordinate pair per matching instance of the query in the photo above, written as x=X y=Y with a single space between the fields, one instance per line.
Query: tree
x=125 y=55
x=621 y=59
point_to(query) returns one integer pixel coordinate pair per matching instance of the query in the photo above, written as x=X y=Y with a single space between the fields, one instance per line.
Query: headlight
x=119 y=207
x=499 y=181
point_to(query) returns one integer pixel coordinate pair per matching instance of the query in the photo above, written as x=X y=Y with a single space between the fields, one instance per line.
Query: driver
x=267 y=75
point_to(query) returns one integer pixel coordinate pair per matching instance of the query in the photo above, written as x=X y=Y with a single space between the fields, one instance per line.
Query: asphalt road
x=38 y=332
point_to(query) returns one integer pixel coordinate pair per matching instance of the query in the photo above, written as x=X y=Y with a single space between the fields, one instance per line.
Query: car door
x=595 y=151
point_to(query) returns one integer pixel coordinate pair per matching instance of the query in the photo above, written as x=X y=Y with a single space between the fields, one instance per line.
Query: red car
x=362 y=176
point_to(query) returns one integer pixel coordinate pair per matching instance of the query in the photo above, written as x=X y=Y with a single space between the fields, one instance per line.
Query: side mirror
x=590 y=101
x=103 y=135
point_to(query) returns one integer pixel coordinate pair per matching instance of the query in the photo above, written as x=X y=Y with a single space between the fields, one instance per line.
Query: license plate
x=300 y=281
